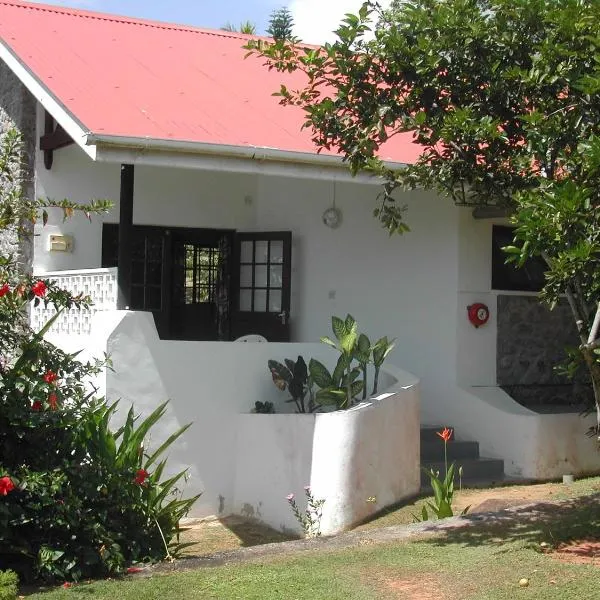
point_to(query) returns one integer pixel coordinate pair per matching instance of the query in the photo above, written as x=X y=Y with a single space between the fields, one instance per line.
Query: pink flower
x=290 y=497
x=67 y=585
x=307 y=488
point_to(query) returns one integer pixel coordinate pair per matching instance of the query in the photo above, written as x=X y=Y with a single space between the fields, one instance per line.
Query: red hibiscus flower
x=6 y=486
x=36 y=406
x=445 y=434
x=4 y=290
x=50 y=377
x=140 y=476
x=39 y=289
x=53 y=401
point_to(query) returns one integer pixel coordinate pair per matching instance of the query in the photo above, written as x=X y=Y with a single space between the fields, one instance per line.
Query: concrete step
x=434 y=451
x=475 y=470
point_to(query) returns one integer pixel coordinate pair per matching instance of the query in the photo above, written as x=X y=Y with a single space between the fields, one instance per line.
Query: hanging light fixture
x=332 y=217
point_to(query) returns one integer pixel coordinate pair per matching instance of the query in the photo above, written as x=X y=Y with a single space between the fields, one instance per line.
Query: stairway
x=477 y=471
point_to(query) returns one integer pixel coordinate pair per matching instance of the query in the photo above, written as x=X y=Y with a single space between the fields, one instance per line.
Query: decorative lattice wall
x=99 y=284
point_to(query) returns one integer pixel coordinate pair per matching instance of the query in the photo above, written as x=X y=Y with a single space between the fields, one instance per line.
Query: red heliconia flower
x=4 y=289
x=53 y=401
x=50 y=377
x=140 y=476
x=36 y=406
x=6 y=486
x=445 y=434
x=39 y=289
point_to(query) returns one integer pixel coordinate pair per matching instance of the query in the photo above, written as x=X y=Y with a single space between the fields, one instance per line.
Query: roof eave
x=222 y=157
x=42 y=94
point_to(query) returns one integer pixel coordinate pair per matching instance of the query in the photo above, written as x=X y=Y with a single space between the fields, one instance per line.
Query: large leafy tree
x=503 y=97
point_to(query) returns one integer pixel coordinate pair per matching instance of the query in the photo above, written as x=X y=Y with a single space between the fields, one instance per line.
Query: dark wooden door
x=195 y=263
x=262 y=285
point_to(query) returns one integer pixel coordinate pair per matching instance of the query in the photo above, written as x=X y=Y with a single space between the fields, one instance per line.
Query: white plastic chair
x=252 y=337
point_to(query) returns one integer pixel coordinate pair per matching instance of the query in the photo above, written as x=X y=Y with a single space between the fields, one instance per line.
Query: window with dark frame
x=201 y=273
x=146 y=265
x=508 y=277
x=261 y=276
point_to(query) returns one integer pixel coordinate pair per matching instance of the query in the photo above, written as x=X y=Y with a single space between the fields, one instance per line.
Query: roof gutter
x=255 y=153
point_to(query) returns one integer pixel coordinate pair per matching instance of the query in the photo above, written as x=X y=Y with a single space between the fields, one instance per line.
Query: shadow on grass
x=254 y=533
x=574 y=519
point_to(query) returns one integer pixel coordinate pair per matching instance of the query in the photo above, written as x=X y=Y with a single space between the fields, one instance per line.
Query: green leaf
x=319 y=374
x=280 y=373
x=330 y=396
x=339 y=328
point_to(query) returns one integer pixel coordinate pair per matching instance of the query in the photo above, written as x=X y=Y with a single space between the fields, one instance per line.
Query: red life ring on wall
x=478 y=313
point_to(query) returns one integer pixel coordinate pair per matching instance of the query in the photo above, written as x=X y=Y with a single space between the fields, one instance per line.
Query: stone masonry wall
x=531 y=342
x=18 y=110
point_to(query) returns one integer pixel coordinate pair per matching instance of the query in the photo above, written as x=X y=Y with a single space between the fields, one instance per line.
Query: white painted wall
x=170 y=197
x=415 y=287
x=403 y=287
x=211 y=384
x=358 y=461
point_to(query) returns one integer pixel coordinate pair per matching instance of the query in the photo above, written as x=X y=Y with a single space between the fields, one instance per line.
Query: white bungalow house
x=227 y=222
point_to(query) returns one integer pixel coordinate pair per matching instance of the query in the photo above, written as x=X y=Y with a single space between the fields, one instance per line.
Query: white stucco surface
x=241 y=462
x=359 y=461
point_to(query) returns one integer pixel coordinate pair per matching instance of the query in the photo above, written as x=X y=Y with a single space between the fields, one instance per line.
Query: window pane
x=262 y=248
x=277 y=251
x=260 y=276
x=246 y=276
x=246 y=300
x=275 y=301
x=246 y=252
x=260 y=300
x=276 y=276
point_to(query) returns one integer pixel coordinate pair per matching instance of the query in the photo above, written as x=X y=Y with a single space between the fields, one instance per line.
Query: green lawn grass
x=483 y=562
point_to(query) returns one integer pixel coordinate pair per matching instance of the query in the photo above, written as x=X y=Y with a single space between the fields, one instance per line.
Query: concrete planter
x=359 y=461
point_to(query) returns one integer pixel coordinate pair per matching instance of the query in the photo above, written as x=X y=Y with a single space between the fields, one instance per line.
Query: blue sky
x=315 y=19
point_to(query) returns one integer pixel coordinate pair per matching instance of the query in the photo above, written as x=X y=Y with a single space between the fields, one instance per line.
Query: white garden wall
x=359 y=461
x=231 y=456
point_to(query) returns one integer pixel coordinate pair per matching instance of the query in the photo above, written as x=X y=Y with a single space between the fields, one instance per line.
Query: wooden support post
x=125 y=236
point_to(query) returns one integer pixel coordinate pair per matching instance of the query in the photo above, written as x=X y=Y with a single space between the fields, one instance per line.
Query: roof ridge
x=113 y=18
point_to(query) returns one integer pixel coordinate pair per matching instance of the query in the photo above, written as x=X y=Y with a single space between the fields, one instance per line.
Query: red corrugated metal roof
x=136 y=78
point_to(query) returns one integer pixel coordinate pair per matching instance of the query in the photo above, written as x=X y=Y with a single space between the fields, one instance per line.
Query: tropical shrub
x=349 y=379
x=294 y=377
x=443 y=489
x=77 y=499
